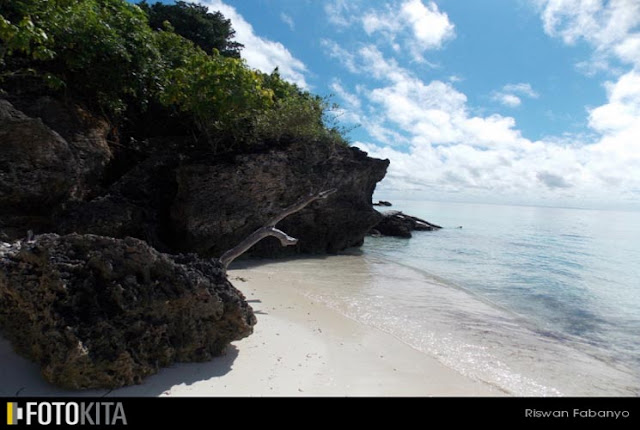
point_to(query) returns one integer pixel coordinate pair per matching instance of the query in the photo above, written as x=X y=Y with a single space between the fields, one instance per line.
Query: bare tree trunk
x=269 y=229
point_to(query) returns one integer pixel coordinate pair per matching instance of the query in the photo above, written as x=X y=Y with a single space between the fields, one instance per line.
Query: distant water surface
x=536 y=301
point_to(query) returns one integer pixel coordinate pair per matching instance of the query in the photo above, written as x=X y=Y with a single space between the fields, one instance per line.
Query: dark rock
x=137 y=205
x=383 y=203
x=375 y=233
x=422 y=225
x=42 y=169
x=36 y=170
x=56 y=176
x=86 y=134
x=392 y=225
x=101 y=312
x=209 y=205
x=217 y=205
x=398 y=224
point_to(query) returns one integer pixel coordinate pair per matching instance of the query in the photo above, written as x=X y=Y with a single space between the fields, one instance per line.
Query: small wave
x=477 y=338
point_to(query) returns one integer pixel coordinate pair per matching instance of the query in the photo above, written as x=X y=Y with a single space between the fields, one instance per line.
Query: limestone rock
x=98 y=312
x=217 y=205
x=398 y=224
x=209 y=204
x=136 y=205
x=42 y=169
x=383 y=203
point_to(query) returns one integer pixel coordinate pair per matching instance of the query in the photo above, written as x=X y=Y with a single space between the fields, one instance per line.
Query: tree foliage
x=223 y=95
x=102 y=50
x=192 y=21
x=106 y=53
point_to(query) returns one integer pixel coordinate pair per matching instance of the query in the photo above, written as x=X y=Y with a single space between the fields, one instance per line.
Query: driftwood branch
x=269 y=229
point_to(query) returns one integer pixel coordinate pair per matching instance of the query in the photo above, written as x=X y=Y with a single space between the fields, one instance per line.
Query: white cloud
x=628 y=50
x=373 y=62
x=623 y=108
x=376 y=21
x=420 y=26
x=352 y=113
x=451 y=152
x=430 y=26
x=507 y=99
x=334 y=50
x=434 y=112
x=260 y=53
x=288 y=20
x=507 y=96
x=521 y=88
x=382 y=134
x=611 y=27
x=552 y=181
x=352 y=100
x=341 y=13
x=612 y=159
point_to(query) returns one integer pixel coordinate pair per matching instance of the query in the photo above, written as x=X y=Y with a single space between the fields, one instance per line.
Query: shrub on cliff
x=222 y=95
x=105 y=53
x=194 y=22
x=101 y=51
x=237 y=108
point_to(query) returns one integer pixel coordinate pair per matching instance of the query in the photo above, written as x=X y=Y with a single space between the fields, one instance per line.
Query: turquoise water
x=536 y=301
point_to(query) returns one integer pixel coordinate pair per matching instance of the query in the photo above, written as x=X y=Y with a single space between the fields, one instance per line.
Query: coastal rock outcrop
x=383 y=203
x=136 y=205
x=398 y=224
x=102 y=312
x=51 y=155
x=217 y=205
x=59 y=174
x=208 y=205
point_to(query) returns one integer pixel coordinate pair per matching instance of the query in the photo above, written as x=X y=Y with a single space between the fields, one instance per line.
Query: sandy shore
x=299 y=348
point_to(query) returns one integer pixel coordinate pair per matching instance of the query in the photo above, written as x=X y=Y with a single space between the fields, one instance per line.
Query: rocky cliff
x=53 y=164
x=117 y=281
x=55 y=155
x=216 y=205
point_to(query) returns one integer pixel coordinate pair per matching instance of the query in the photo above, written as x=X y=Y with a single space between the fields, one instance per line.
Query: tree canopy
x=208 y=30
x=113 y=56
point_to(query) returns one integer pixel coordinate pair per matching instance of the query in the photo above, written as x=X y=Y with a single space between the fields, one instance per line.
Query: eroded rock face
x=51 y=156
x=55 y=176
x=217 y=205
x=208 y=205
x=35 y=168
x=86 y=135
x=136 y=205
x=98 y=312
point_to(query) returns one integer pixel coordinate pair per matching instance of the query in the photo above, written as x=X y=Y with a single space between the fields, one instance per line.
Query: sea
x=535 y=301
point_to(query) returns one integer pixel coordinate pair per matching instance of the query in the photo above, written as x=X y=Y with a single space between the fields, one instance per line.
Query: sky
x=533 y=102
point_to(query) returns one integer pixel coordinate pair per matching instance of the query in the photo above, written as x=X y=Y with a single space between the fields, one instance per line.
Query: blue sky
x=499 y=101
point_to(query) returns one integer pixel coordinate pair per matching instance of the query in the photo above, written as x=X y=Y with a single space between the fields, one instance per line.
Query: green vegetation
x=209 y=31
x=101 y=50
x=121 y=59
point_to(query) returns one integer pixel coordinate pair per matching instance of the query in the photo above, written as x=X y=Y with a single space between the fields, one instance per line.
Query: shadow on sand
x=19 y=377
x=243 y=263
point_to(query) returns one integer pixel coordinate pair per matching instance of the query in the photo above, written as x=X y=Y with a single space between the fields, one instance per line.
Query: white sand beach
x=299 y=348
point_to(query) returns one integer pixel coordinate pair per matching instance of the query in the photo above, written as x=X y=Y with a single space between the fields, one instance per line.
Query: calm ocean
x=536 y=301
